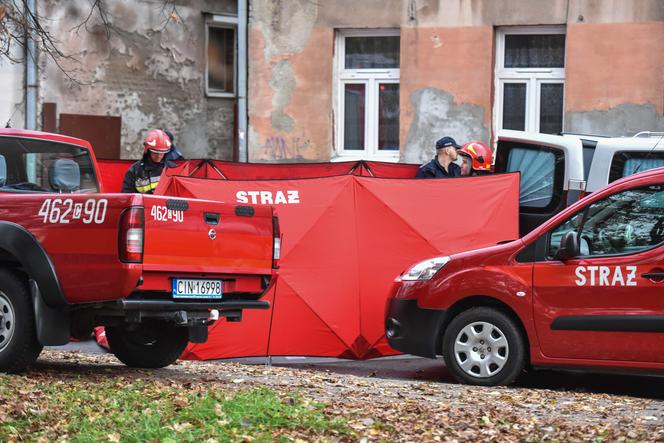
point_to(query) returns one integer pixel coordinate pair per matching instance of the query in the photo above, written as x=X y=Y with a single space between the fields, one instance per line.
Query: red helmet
x=157 y=141
x=480 y=154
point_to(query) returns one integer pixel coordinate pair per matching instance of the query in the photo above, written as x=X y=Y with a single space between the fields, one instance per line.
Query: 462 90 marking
x=162 y=213
x=59 y=210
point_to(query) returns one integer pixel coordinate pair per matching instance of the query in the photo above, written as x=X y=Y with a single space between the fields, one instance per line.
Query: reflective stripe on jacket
x=147 y=184
x=142 y=177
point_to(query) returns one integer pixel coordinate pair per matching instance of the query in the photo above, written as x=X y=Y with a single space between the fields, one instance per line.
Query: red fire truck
x=584 y=290
x=154 y=270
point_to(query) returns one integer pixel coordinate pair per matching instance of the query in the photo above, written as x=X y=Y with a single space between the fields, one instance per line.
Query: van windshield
x=33 y=165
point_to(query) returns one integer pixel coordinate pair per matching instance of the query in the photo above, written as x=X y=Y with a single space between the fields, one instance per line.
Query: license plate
x=194 y=288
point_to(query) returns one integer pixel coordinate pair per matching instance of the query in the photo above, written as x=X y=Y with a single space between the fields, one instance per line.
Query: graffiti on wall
x=279 y=148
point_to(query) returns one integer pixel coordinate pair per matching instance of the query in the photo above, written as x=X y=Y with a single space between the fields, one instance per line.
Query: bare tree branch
x=17 y=22
x=100 y=7
x=170 y=11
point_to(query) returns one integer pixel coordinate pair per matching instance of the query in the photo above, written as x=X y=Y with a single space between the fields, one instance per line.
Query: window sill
x=211 y=94
x=371 y=158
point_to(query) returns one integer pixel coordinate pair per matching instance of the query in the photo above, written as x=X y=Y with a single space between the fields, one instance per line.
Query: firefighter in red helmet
x=143 y=176
x=476 y=159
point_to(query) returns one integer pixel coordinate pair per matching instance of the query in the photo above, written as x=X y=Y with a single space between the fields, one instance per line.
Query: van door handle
x=657 y=277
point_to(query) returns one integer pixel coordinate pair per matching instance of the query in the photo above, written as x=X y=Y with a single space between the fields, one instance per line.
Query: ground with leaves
x=76 y=397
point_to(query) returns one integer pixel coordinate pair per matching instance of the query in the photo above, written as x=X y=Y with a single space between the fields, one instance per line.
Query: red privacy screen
x=348 y=230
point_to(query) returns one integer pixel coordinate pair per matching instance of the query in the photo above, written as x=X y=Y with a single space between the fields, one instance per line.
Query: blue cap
x=169 y=134
x=446 y=142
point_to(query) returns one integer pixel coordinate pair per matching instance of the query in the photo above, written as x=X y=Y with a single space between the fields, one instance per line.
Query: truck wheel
x=147 y=345
x=19 y=347
x=483 y=346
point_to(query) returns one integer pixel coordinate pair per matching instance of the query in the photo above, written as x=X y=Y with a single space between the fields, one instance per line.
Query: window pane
x=551 y=108
x=537 y=173
x=535 y=51
x=355 y=96
x=628 y=163
x=372 y=53
x=221 y=56
x=30 y=165
x=514 y=106
x=623 y=223
x=643 y=164
x=388 y=116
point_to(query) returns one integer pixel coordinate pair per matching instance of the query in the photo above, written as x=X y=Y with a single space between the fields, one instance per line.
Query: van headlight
x=426 y=269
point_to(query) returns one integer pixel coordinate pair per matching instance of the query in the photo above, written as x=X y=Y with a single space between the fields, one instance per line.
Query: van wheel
x=150 y=344
x=483 y=346
x=19 y=347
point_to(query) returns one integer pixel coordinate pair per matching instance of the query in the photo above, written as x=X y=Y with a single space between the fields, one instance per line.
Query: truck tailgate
x=203 y=236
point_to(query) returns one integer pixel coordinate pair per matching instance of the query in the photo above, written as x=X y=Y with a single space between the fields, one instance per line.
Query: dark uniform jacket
x=174 y=154
x=434 y=169
x=143 y=176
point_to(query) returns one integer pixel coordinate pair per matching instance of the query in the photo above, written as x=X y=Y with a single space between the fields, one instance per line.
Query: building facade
x=153 y=64
x=383 y=79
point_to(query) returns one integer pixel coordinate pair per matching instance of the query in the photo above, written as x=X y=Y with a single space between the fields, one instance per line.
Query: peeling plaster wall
x=622 y=120
x=447 y=67
x=148 y=70
x=360 y=14
x=446 y=81
x=290 y=80
x=460 y=13
x=437 y=115
x=615 y=11
x=611 y=88
x=463 y=13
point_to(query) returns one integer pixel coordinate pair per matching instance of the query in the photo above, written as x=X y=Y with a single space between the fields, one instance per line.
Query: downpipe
x=30 y=67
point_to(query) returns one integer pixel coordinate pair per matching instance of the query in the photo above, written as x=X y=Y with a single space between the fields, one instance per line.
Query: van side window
x=537 y=169
x=628 y=222
x=628 y=163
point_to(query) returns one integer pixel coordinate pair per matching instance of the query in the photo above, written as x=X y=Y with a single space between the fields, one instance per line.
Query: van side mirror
x=569 y=247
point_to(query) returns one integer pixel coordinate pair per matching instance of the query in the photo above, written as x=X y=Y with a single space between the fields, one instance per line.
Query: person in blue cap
x=442 y=165
x=174 y=153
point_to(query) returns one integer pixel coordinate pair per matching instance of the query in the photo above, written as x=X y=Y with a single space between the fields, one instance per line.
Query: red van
x=585 y=289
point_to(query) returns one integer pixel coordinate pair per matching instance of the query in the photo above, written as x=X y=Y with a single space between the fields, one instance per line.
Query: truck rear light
x=131 y=235
x=276 y=249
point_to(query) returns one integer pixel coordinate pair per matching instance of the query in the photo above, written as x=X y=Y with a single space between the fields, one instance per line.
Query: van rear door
x=550 y=167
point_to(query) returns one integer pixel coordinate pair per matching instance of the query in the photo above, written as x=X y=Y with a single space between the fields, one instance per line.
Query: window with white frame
x=367 y=94
x=530 y=79
x=221 y=56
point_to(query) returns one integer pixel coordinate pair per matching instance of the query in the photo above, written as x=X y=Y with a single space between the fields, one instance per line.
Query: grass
x=133 y=411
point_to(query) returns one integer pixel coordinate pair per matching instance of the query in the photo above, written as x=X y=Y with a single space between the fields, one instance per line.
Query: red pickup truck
x=155 y=271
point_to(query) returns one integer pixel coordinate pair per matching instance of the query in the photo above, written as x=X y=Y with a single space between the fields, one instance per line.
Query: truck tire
x=150 y=344
x=19 y=347
x=483 y=346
